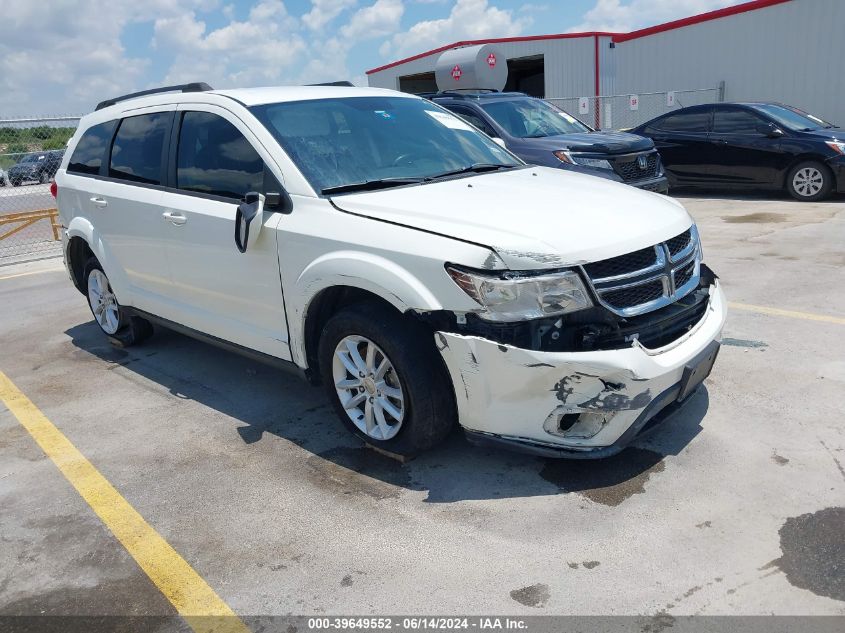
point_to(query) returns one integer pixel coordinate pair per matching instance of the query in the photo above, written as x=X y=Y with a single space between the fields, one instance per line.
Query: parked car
x=39 y=166
x=3 y=178
x=372 y=241
x=542 y=134
x=750 y=145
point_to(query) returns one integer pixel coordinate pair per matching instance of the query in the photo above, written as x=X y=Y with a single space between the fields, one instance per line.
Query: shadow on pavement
x=264 y=400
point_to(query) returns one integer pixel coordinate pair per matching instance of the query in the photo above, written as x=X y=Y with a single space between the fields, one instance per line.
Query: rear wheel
x=809 y=181
x=384 y=377
x=121 y=328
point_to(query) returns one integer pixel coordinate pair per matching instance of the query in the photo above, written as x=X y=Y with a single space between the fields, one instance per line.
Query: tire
x=16 y=183
x=809 y=181
x=121 y=328
x=416 y=375
x=44 y=178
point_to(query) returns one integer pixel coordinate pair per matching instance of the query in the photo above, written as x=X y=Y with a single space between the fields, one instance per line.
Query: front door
x=682 y=140
x=742 y=154
x=217 y=289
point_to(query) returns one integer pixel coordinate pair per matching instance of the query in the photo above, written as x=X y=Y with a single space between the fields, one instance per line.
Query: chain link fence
x=31 y=151
x=623 y=112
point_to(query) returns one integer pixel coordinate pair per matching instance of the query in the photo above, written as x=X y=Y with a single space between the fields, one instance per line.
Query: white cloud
x=258 y=50
x=324 y=11
x=616 y=16
x=377 y=20
x=469 y=19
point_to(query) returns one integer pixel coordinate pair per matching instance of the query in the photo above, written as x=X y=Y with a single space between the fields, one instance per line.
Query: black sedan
x=750 y=145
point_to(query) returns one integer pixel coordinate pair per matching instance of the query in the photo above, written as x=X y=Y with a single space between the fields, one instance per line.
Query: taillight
x=53 y=189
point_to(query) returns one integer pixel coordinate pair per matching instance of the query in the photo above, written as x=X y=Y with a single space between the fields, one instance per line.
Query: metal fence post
x=721 y=91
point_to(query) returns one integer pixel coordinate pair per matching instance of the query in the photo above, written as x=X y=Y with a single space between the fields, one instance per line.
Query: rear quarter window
x=87 y=157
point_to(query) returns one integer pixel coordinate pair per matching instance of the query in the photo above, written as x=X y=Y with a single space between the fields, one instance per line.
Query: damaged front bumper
x=575 y=404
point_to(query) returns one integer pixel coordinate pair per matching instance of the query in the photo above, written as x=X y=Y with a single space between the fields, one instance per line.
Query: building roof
x=617 y=37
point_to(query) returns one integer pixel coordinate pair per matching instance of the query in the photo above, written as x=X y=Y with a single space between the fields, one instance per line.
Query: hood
x=534 y=217
x=599 y=142
x=827 y=134
x=23 y=168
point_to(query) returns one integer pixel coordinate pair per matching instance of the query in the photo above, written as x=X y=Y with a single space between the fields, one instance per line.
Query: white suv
x=378 y=244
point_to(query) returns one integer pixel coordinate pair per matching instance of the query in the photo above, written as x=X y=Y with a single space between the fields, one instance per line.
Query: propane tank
x=471 y=68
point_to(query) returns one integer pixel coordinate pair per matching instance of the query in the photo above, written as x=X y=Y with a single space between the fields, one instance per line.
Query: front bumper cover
x=524 y=399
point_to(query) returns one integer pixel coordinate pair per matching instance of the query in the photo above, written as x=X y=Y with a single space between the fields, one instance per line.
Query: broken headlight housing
x=514 y=296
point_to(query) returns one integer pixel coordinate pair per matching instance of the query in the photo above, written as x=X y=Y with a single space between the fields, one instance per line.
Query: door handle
x=177 y=219
x=100 y=202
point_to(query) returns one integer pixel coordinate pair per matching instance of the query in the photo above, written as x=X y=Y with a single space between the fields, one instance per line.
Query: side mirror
x=248 y=220
x=770 y=130
x=500 y=142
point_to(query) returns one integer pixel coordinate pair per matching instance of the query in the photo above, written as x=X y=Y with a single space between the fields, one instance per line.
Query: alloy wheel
x=368 y=387
x=103 y=302
x=808 y=181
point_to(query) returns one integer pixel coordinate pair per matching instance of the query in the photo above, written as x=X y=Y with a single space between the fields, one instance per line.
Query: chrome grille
x=649 y=278
x=631 y=168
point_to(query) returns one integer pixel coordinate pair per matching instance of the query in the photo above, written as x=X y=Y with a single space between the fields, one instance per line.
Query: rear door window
x=138 y=146
x=685 y=122
x=215 y=158
x=87 y=157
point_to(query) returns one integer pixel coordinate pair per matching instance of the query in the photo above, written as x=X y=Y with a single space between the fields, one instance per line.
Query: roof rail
x=193 y=87
x=347 y=84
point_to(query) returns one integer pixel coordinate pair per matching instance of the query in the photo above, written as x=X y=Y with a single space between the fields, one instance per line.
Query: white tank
x=471 y=68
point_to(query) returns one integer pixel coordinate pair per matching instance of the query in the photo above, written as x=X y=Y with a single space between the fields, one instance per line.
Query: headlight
x=565 y=156
x=511 y=296
x=836 y=146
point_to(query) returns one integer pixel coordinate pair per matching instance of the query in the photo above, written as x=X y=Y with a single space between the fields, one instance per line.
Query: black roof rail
x=347 y=84
x=193 y=87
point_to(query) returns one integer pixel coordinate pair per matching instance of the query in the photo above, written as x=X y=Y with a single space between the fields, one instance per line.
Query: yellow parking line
x=32 y=272
x=792 y=314
x=175 y=578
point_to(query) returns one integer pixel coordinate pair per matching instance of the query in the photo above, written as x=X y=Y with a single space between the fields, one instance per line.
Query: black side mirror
x=250 y=208
x=770 y=130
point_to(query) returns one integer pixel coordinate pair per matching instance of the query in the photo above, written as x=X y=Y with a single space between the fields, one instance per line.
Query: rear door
x=119 y=191
x=742 y=154
x=218 y=290
x=682 y=140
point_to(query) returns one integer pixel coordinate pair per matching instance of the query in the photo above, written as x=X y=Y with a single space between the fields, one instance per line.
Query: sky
x=61 y=57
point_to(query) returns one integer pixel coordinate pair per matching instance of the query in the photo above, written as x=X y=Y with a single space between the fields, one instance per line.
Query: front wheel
x=44 y=178
x=121 y=328
x=809 y=181
x=384 y=377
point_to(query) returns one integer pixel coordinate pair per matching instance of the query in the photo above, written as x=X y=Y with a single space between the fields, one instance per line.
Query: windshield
x=348 y=141
x=793 y=118
x=31 y=158
x=533 y=118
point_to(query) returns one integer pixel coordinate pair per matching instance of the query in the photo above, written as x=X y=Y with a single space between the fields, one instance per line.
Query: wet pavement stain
x=347 y=581
x=814 y=552
x=591 y=564
x=779 y=459
x=354 y=471
x=741 y=342
x=608 y=481
x=533 y=596
x=755 y=218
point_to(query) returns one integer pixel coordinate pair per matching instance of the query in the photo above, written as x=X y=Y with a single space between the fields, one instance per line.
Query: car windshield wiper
x=475 y=168
x=370 y=185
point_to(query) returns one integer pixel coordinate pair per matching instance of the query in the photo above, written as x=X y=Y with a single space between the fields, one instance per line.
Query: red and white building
x=791 y=51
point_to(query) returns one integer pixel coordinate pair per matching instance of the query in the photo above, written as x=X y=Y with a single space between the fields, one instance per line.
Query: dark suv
x=542 y=134
x=39 y=166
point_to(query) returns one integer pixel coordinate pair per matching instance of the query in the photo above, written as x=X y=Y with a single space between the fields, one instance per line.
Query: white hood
x=533 y=218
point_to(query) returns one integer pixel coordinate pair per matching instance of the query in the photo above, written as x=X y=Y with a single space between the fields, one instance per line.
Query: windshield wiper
x=475 y=168
x=370 y=185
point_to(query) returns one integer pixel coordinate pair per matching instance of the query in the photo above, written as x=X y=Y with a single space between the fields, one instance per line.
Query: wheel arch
x=340 y=279
x=803 y=158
